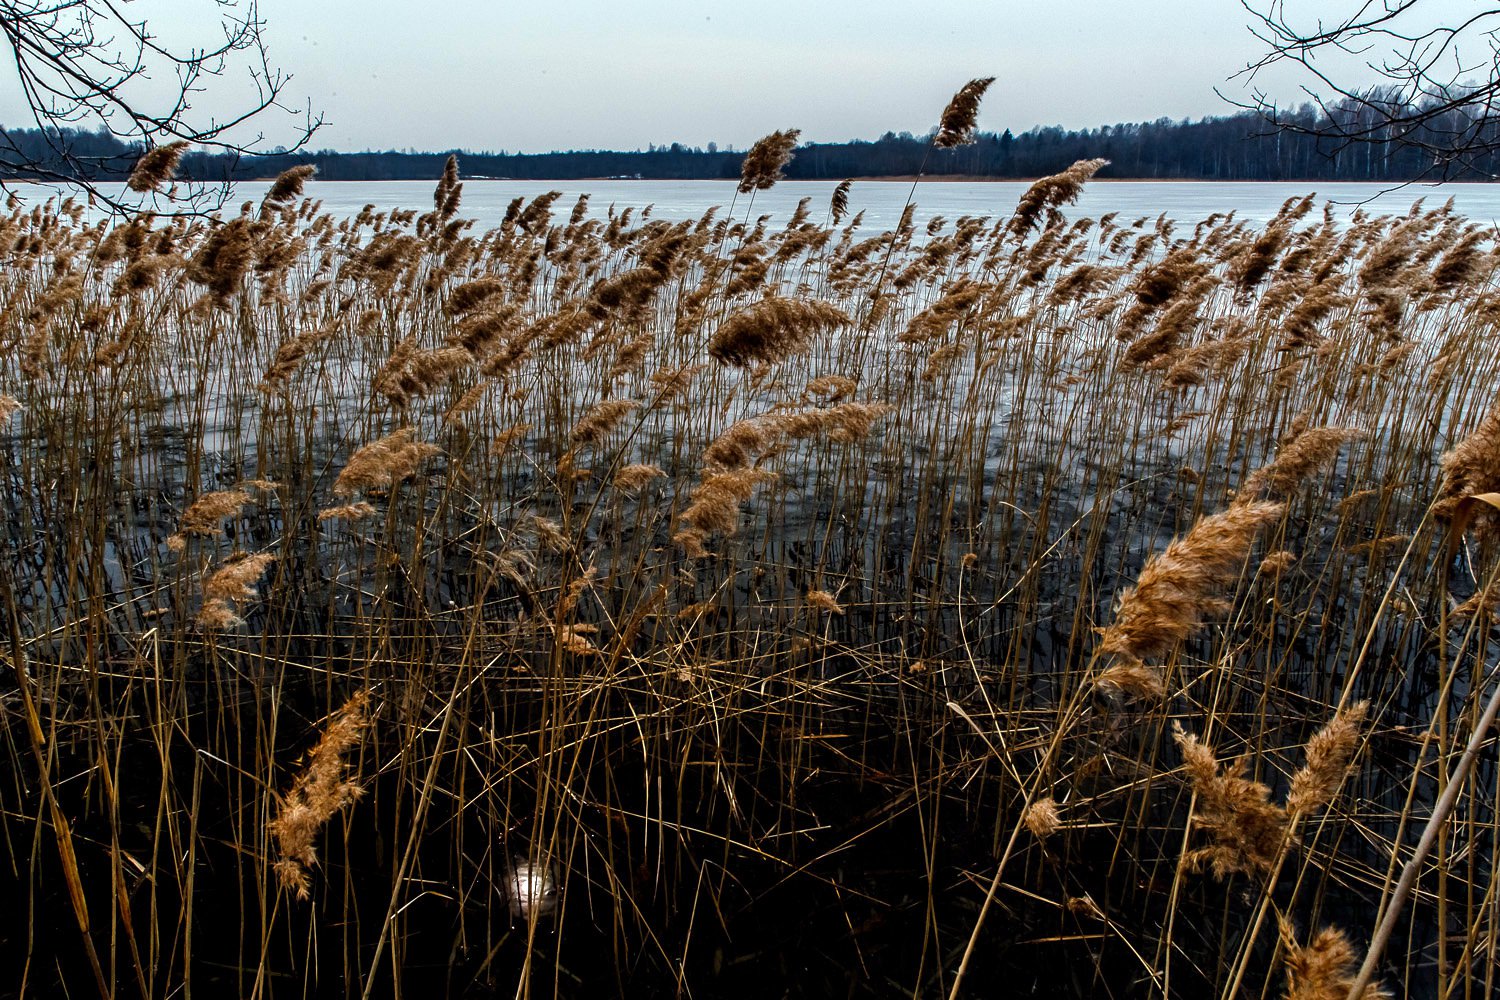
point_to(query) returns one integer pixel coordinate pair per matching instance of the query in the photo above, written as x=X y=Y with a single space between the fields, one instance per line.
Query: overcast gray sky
x=568 y=74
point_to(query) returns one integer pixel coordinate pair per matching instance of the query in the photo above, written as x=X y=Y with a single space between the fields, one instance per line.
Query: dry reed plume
x=715 y=508
x=289 y=184
x=1045 y=196
x=227 y=586
x=1247 y=828
x=956 y=126
x=838 y=206
x=1322 y=969
x=156 y=166
x=762 y=166
x=1042 y=818
x=823 y=601
x=1472 y=466
x=637 y=476
x=843 y=422
x=321 y=789
x=1329 y=753
x=600 y=421
x=381 y=464
x=1297 y=460
x=1181 y=586
x=203 y=516
x=347 y=512
x=472 y=294
x=773 y=329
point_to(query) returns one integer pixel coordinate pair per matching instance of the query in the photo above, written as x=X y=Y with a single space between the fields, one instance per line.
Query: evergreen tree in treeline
x=1231 y=148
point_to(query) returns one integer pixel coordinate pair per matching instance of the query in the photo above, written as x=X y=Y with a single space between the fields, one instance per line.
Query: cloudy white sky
x=567 y=74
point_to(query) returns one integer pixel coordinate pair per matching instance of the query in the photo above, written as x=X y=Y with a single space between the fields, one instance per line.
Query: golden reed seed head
x=1179 y=586
x=1473 y=466
x=1316 y=304
x=568 y=602
x=737 y=446
x=1247 y=828
x=203 y=515
x=715 y=507
x=549 y=534
x=290 y=354
x=1461 y=263
x=384 y=462
x=1328 y=755
x=628 y=291
x=956 y=126
x=773 y=329
x=629 y=356
x=1303 y=456
x=958 y=298
x=1042 y=818
x=1159 y=348
x=234 y=581
x=508 y=438
x=320 y=790
x=472 y=294
x=1384 y=263
x=844 y=423
x=831 y=388
x=1485 y=600
x=156 y=167
x=445 y=197
x=580 y=210
x=288 y=183
x=504 y=355
x=218 y=616
x=411 y=372
x=762 y=166
x=536 y=215
x=838 y=206
x=1324 y=968
x=636 y=477
x=574 y=639
x=465 y=403
x=1130 y=680
x=1276 y=563
x=823 y=601
x=600 y=420
x=348 y=512
x=1158 y=284
x=1047 y=194
x=224 y=258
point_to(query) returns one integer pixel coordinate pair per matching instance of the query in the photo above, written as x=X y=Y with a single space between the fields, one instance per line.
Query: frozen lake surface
x=485 y=201
x=883 y=201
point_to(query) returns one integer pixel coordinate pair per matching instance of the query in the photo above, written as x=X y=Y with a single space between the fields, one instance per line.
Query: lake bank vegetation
x=606 y=605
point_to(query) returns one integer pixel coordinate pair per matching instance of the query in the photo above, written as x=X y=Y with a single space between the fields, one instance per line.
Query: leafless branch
x=1436 y=83
x=91 y=65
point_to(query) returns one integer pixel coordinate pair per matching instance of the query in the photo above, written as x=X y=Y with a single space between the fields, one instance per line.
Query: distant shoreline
x=1235 y=149
x=898 y=179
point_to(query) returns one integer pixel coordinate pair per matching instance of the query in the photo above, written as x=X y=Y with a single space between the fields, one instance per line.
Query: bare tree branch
x=89 y=65
x=1437 y=82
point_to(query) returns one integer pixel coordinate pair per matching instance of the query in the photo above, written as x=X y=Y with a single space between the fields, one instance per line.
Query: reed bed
x=606 y=606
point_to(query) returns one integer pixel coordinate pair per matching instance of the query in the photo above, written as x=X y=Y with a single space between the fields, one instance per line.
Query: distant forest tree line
x=1237 y=147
